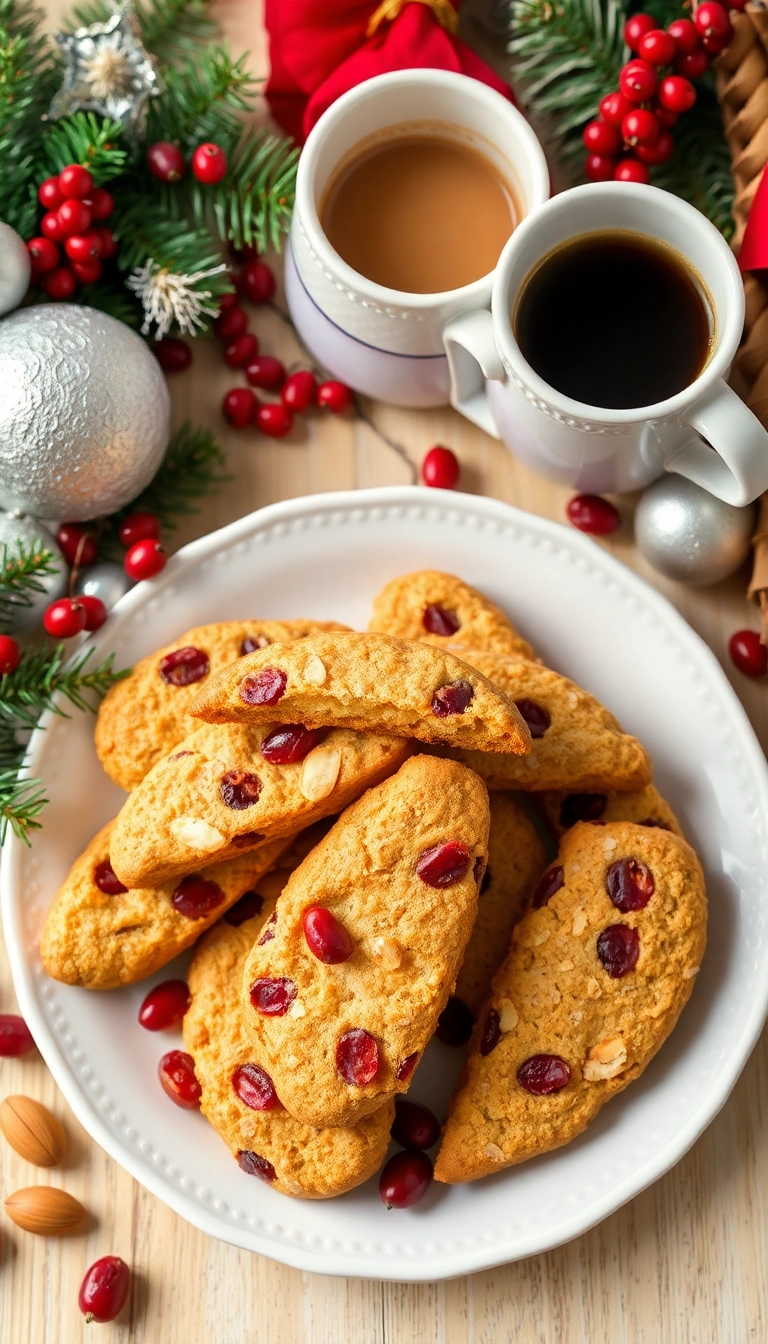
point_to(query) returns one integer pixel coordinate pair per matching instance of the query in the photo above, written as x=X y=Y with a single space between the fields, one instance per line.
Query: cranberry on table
x=537 y=717
x=197 y=897
x=256 y=282
x=265 y=687
x=265 y=372
x=618 y=948
x=145 y=560
x=241 y=350
x=182 y=667
x=549 y=884
x=440 y=468
x=65 y=618
x=172 y=354
x=106 y=879
x=334 y=396
x=453 y=698
x=231 y=322
x=101 y=203
x=636 y=28
x=239 y=407
x=49 y=193
x=593 y=514
x=176 y=1072
x=95 y=611
x=630 y=884
x=631 y=170
x=165 y=161
x=676 y=94
x=414 y=1125
x=255 y=1165
x=599 y=167
x=255 y=1088
x=43 y=253
x=164 y=1006
x=326 y=937
x=637 y=81
x=439 y=620
x=60 y=283
x=455 y=1024
x=299 y=390
x=15 y=1036
x=272 y=997
x=274 y=420
x=10 y=655
x=357 y=1057
x=685 y=34
x=541 y=1075
x=601 y=138
x=405 y=1180
x=443 y=865
x=657 y=47
x=104 y=1289
x=209 y=164
x=614 y=108
x=748 y=654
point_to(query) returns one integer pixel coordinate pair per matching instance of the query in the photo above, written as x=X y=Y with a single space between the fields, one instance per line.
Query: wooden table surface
x=685 y=1263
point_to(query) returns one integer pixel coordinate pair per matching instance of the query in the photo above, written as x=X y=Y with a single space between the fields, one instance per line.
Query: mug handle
x=470 y=346
x=733 y=463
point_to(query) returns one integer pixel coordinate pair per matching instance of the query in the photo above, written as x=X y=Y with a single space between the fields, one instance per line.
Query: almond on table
x=443 y=610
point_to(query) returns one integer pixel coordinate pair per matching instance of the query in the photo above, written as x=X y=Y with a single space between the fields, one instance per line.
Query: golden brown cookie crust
x=553 y=996
x=401 y=605
x=645 y=807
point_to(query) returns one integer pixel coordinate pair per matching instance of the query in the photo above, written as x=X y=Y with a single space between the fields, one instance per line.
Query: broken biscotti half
x=443 y=610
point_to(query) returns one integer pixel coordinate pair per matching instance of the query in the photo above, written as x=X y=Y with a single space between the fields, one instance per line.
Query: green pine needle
x=29 y=74
x=204 y=99
x=22 y=571
x=170 y=29
x=190 y=470
x=21 y=802
x=83 y=137
x=46 y=673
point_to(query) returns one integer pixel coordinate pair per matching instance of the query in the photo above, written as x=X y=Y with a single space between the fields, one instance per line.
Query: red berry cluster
x=75 y=211
x=632 y=133
x=165 y=161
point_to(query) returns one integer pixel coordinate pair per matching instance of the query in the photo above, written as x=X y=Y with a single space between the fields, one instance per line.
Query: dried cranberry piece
x=183 y=666
x=272 y=998
x=165 y=1005
x=269 y=930
x=630 y=884
x=536 y=716
x=406 y=1066
x=405 y=1180
x=15 y=1037
x=253 y=1165
x=618 y=948
x=439 y=620
x=581 y=807
x=453 y=698
x=265 y=687
x=255 y=1088
x=288 y=744
x=491 y=1033
x=414 y=1125
x=247 y=907
x=106 y=879
x=357 y=1057
x=443 y=865
x=247 y=839
x=651 y=821
x=551 y=882
x=239 y=789
x=543 y=1074
x=195 y=897
x=326 y=936
x=252 y=643
x=455 y=1023
x=176 y=1072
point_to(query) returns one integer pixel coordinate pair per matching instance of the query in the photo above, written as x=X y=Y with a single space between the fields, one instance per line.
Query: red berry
x=711 y=20
x=685 y=33
x=254 y=1165
x=326 y=938
x=209 y=164
x=49 y=193
x=265 y=687
x=74 y=217
x=165 y=161
x=738 y=5
x=614 y=108
x=248 y=252
x=87 y=272
x=748 y=654
x=455 y=1023
x=106 y=879
x=172 y=354
x=536 y=716
x=490 y=1034
x=104 y=1290
x=83 y=246
x=227 y=301
x=406 y=1066
x=414 y=1125
x=630 y=170
x=182 y=667
x=256 y=282
x=95 y=611
x=714 y=43
x=440 y=468
x=660 y=152
x=443 y=865
x=196 y=897
x=15 y=1036
x=630 y=885
x=541 y=1075
x=145 y=559
x=265 y=372
x=599 y=167
x=405 y=1180
x=272 y=998
x=108 y=244
x=640 y=127
x=549 y=885
x=139 y=527
x=592 y=513
x=692 y=64
x=176 y=1072
x=231 y=322
x=357 y=1057
x=618 y=948
x=241 y=351
x=101 y=204
x=299 y=390
x=64 y=619
x=10 y=655
x=334 y=396
x=239 y=407
x=657 y=47
x=164 y=1006
x=60 y=283
x=75 y=181
x=274 y=420
x=51 y=228
x=255 y=1088
x=601 y=138
x=439 y=620
x=676 y=94
x=453 y=698
x=637 y=81
x=43 y=253
x=664 y=116
x=636 y=28
x=288 y=744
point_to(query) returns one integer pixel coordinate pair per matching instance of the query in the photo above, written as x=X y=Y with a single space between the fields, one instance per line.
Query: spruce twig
x=83 y=137
x=21 y=578
x=21 y=802
x=44 y=674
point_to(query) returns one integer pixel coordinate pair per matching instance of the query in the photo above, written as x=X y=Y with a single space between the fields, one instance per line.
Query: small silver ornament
x=85 y=414
x=107 y=70
x=106 y=580
x=29 y=532
x=688 y=534
x=15 y=269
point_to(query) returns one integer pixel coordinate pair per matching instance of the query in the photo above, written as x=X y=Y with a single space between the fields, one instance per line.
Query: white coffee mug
x=704 y=432
x=384 y=342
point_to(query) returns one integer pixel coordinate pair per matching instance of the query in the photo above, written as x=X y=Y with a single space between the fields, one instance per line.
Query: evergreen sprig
x=29 y=73
x=46 y=675
x=204 y=98
x=700 y=171
x=21 y=802
x=22 y=571
x=83 y=137
x=170 y=29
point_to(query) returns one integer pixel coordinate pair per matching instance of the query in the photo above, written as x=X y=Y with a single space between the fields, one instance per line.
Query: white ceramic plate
x=588 y=616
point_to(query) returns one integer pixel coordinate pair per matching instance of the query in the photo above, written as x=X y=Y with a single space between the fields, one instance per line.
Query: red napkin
x=753 y=253
x=318 y=51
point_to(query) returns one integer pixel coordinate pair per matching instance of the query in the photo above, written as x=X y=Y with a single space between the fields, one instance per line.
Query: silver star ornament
x=107 y=70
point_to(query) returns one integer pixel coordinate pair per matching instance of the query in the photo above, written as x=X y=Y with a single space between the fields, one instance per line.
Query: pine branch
x=46 y=673
x=700 y=170
x=28 y=79
x=84 y=138
x=190 y=470
x=11 y=750
x=21 y=802
x=21 y=577
x=111 y=298
x=170 y=29
x=203 y=99
x=255 y=201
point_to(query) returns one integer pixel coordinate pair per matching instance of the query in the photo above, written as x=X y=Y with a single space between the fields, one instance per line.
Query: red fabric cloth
x=318 y=50
x=753 y=253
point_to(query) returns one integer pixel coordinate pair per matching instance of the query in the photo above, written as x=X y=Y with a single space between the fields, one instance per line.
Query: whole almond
x=41 y=1209
x=32 y=1131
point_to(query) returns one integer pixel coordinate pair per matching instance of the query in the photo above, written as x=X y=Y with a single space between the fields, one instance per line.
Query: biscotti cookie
x=646 y=807
x=577 y=744
x=516 y=859
x=225 y=790
x=372 y=683
x=239 y=1098
x=343 y=990
x=440 y=608
x=100 y=935
x=146 y=715
x=597 y=975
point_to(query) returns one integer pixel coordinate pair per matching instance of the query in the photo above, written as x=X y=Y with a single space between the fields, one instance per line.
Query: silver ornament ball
x=688 y=534
x=107 y=581
x=84 y=413
x=32 y=534
x=15 y=269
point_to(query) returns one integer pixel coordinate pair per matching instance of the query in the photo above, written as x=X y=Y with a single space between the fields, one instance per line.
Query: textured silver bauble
x=33 y=534
x=107 y=581
x=84 y=412
x=687 y=534
x=15 y=269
